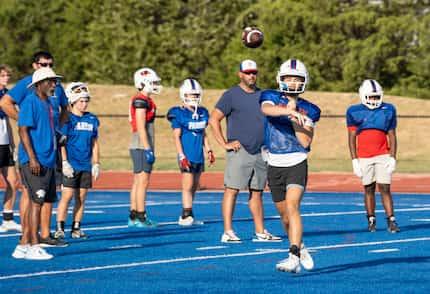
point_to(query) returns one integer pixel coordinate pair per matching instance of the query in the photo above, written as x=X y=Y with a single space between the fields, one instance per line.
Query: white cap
x=248 y=65
x=41 y=74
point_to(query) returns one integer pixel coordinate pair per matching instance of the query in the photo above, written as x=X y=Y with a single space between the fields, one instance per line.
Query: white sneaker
x=291 y=264
x=230 y=237
x=20 y=251
x=305 y=258
x=266 y=237
x=11 y=226
x=36 y=252
x=2 y=230
x=188 y=221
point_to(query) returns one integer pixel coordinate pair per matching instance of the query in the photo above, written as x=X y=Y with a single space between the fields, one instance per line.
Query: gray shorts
x=80 y=179
x=41 y=188
x=139 y=161
x=244 y=170
x=374 y=170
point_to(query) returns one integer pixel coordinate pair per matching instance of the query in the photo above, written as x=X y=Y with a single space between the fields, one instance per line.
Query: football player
x=290 y=122
x=141 y=116
x=372 y=144
x=189 y=122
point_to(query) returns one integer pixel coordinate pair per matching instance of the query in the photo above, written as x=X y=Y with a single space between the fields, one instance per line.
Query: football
x=252 y=37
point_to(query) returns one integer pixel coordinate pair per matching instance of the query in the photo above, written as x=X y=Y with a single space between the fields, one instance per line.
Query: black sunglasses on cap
x=45 y=64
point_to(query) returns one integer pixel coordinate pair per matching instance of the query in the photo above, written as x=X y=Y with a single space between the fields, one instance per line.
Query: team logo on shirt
x=84 y=126
x=196 y=125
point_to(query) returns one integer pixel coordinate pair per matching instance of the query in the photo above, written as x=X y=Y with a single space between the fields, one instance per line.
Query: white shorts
x=374 y=170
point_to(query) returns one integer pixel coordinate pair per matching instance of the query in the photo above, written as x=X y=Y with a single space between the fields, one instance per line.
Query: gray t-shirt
x=245 y=121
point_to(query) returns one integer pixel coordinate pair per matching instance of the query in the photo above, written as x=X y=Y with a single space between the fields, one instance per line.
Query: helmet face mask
x=147 y=80
x=77 y=90
x=371 y=94
x=292 y=68
x=191 y=93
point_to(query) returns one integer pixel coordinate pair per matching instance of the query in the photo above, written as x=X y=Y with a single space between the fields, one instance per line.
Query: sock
x=391 y=218
x=133 y=214
x=371 y=218
x=7 y=215
x=141 y=215
x=60 y=226
x=295 y=250
x=186 y=212
x=76 y=226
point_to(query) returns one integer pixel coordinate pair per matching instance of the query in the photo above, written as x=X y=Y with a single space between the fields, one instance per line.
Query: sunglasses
x=250 y=73
x=79 y=89
x=46 y=64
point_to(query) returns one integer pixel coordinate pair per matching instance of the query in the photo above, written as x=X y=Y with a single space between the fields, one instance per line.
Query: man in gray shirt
x=245 y=167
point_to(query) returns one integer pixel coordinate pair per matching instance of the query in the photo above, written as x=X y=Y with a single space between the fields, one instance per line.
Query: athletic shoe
x=147 y=223
x=59 y=234
x=230 y=237
x=36 y=252
x=20 y=251
x=2 y=230
x=131 y=222
x=291 y=264
x=266 y=237
x=372 y=224
x=392 y=225
x=78 y=234
x=11 y=225
x=188 y=221
x=52 y=242
x=305 y=258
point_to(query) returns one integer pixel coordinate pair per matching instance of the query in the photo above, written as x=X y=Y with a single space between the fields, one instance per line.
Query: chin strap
x=195 y=115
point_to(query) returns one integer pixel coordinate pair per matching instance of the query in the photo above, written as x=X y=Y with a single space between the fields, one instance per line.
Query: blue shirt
x=2 y=92
x=20 y=91
x=280 y=137
x=37 y=114
x=192 y=130
x=245 y=121
x=80 y=132
x=383 y=118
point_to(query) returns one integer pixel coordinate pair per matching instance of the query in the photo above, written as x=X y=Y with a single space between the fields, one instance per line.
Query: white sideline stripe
x=126 y=246
x=384 y=250
x=420 y=219
x=312 y=214
x=207 y=257
x=211 y=247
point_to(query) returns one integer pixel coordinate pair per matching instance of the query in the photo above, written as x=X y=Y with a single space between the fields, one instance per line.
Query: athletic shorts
x=244 y=170
x=41 y=188
x=374 y=170
x=281 y=178
x=139 y=161
x=81 y=179
x=195 y=168
x=6 y=156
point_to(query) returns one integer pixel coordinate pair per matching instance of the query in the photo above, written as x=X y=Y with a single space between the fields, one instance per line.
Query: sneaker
x=2 y=230
x=78 y=234
x=11 y=226
x=59 y=234
x=305 y=258
x=266 y=237
x=36 y=252
x=52 y=242
x=147 y=223
x=372 y=224
x=188 y=221
x=230 y=237
x=20 y=251
x=131 y=222
x=392 y=225
x=291 y=264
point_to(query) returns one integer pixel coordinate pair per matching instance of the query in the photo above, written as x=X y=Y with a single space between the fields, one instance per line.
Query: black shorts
x=139 y=161
x=81 y=179
x=41 y=188
x=194 y=169
x=280 y=178
x=6 y=156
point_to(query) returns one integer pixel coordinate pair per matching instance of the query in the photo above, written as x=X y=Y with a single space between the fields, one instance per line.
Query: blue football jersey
x=280 y=137
x=192 y=130
x=80 y=132
x=383 y=118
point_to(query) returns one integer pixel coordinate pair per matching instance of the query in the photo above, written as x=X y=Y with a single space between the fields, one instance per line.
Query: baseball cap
x=41 y=74
x=248 y=65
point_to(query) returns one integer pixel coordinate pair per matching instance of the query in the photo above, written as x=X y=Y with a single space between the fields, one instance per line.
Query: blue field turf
x=118 y=259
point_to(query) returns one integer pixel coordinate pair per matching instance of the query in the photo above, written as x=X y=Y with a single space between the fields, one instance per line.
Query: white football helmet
x=191 y=86
x=77 y=90
x=147 y=80
x=292 y=67
x=371 y=88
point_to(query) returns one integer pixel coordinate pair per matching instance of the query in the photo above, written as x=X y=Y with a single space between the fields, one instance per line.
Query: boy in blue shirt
x=81 y=148
x=189 y=122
